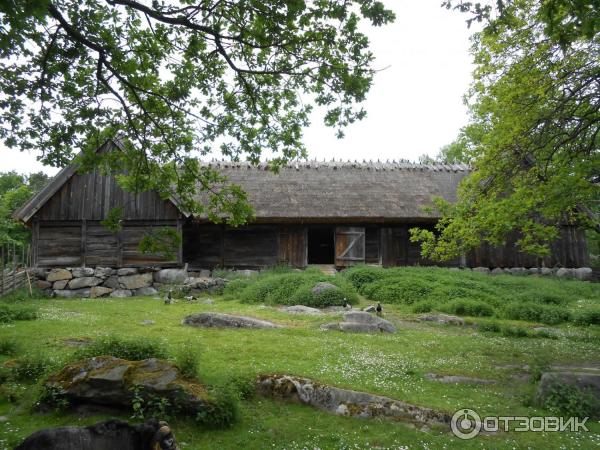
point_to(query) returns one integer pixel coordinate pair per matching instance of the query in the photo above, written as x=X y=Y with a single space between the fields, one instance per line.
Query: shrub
x=464 y=307
x=587 y=317
x=222 y=411
x=360 y=276
x=291 y=288
x=405 y=290
x=131 y=349
x=9 y=347
x=424 y=306
x=492 y=327
x=533 y=312
x=187 y=360
x=31 y=367
x=514 y=331
x=569 y=401
x=10 y=313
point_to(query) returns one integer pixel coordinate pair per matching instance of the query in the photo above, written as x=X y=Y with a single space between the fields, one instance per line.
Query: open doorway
x=321 y=246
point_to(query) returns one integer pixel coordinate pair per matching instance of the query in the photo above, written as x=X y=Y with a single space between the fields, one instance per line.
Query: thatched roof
x=344 y=190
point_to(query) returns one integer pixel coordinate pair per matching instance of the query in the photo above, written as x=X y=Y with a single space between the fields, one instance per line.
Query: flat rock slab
x=106 y=380
x=442 y=318
x=361 y=322
x=301 y=309
x=219 y=320
x=457 y=379
x=346 y=402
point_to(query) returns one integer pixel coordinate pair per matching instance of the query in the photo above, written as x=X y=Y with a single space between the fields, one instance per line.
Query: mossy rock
x=106 y=380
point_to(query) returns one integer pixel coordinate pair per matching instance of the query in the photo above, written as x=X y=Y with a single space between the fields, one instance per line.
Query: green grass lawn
x=390 y=365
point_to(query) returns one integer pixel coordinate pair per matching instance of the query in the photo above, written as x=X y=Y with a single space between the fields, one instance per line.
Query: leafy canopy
x=533 y=139
x=173 y=79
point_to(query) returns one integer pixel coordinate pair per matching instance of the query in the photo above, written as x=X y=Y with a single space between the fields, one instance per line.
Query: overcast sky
x=415 y=105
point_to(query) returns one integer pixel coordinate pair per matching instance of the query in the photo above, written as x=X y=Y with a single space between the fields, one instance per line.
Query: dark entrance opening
x=321 y=247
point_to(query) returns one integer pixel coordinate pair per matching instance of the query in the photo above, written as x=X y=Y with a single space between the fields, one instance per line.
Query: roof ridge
x=315 y=164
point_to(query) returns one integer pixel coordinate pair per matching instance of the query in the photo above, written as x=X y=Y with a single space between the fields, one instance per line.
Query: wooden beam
x=83 y=241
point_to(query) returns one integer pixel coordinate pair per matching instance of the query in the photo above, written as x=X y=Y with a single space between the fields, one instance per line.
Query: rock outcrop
x=346 y=402
x=219 y=320
x=361 y=322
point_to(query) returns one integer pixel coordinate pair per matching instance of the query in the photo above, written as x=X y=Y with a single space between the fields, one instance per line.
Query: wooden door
x=292 y=246
x=349 y=246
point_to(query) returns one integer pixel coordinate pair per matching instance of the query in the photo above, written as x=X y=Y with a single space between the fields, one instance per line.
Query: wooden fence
x=14 y=262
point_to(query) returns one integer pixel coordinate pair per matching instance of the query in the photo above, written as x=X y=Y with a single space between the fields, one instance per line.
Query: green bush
x=31 y=367
x=405 y=290
x=424 y=306
x=534 y=312
x=569 y=401
x=222 y=411
x=491 y=327
x=465 y=307
x=9 y=347
x=290 y=288
x=10 y=313
x=360 y=276
x=514 y=331
x=587 y=317
x=131 y=349
x=187 y=359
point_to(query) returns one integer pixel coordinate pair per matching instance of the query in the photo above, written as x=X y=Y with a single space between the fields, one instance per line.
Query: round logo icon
x=465 y=424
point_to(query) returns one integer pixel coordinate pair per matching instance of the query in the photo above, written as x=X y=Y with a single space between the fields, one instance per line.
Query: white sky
x=414 y=107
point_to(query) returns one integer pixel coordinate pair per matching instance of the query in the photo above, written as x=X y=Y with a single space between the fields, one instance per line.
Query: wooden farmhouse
x=334 y=213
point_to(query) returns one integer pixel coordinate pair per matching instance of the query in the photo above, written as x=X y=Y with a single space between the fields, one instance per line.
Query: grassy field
x=390 y=365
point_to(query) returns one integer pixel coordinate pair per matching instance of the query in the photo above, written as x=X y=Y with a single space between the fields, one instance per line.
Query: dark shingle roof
x=345 y=190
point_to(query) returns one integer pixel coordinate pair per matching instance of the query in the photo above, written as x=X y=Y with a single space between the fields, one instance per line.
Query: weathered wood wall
x=208 y=246
x=67 y=229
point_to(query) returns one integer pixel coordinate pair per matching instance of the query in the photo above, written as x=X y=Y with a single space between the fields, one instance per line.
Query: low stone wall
x=88 y=282
x=581 y=273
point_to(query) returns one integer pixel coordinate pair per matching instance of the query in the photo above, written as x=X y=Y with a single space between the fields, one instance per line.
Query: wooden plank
x=349 y=246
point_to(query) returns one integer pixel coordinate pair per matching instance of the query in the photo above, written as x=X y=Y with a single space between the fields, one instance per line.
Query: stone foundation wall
x=582 y=273
x=87 y=282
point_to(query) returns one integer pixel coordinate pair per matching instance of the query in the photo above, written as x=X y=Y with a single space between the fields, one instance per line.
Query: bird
x=168 y=298
x=346 y=304
x=379 y=309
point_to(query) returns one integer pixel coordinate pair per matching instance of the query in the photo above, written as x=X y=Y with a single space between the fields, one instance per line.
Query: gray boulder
x=246 y=272
x=445 y=319
x=135 y=281
x=60 y=285
x=112 y=282
x=564 y=273
x=205 y=284
x=519 y=271
x=361 y=322
x=457 y=379
x=322 y=287
x=587 y=382
x=103 y=272
x=83 y=282
x=301 y=309
x=583 y=273
x=345 y=402
x=59 y=274
x=481 y=269
x=545 y=271
x=79 y=272
x=146 y=291
x=219 y=320
x=370 y=309
x=121 y=293
x=533 y=271
x=171 y=276
x=99 y=291
x=68 y=293
x=125 y=271
x=497 y=271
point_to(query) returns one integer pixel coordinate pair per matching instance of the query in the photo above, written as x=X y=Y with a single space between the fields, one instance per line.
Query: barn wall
x=570 y=250
x=67 y=230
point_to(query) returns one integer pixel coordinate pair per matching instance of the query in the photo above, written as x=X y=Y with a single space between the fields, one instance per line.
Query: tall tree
x=175 y=78
x=533 y=140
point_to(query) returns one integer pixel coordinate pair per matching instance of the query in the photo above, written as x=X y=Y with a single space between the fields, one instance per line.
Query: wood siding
x=91 y=196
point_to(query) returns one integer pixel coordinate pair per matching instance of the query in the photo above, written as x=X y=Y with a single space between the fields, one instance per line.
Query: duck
x=379 y=309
